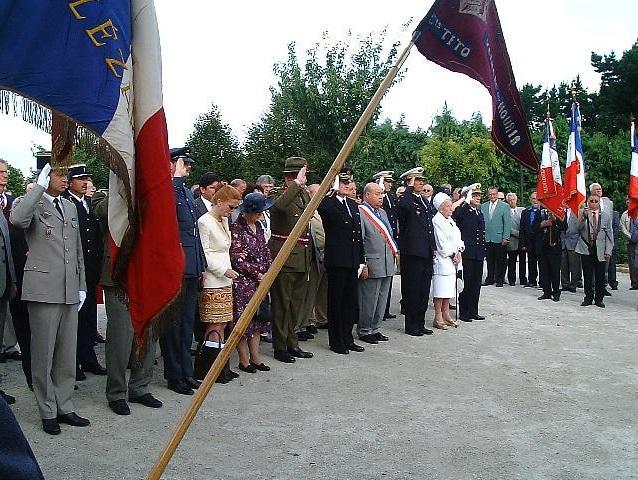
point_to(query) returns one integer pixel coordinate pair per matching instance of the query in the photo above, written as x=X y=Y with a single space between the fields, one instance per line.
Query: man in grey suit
x=7 y=283
x=54 y=288
x=514 y=251
x=498 y=225
x=119 y=334
x=595 y=244
x=570 y=268
x=380 y=266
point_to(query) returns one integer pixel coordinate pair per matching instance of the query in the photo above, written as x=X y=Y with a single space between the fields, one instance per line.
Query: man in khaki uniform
x=289 y=290
x=54 y=288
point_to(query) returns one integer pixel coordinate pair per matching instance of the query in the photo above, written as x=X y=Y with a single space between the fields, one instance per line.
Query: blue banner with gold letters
x=66 y=55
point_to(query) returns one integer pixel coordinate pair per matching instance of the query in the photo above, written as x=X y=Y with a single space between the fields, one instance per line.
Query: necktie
x=345 y=202
x=594 y=226
x=2 y=202
x=56 y=203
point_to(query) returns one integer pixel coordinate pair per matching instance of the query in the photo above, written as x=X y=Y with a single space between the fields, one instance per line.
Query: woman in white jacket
x=447 y=261
x=216 y=297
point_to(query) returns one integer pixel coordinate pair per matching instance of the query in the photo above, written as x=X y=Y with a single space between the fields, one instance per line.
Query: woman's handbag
x=207 y=353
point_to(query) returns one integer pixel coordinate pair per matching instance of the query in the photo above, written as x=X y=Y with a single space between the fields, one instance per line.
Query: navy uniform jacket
x=195 y=262
x=527 y=234
x=548 y=239
x=92 y=239
x=344 y=247
x=390 y=207
x=471 y=223
x=415 y=223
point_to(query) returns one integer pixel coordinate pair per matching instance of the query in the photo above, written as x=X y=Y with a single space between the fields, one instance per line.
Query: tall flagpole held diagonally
x=269 y=277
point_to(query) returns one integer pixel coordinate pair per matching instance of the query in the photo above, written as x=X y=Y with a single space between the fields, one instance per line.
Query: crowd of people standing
x=339 y=273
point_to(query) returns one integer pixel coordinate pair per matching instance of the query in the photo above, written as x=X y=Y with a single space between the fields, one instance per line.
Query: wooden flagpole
x=269 y=277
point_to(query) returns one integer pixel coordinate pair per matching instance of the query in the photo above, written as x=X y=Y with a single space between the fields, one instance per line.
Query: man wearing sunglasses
x=594 y=246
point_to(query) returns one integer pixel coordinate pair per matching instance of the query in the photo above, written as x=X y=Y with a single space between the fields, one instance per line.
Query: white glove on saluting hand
x=43 y=178
x=82 y=295
x=470 y=191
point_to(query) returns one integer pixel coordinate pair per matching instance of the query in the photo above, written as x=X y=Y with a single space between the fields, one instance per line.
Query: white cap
x=439 y=198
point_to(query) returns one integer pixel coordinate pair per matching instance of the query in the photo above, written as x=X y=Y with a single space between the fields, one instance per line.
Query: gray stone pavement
x=539 y=390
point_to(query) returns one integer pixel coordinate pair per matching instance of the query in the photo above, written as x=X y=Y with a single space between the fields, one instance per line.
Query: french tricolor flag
x=633 y=174
x=98 y=63
x=574 y=187
x=549 y=189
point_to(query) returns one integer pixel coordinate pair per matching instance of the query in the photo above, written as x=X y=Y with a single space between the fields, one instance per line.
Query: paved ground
x=539 y=390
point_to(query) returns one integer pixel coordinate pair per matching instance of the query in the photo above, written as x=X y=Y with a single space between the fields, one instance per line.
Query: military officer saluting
x=470 y=221
x=417 y=250
x=53 y=287
x=343 y=256
x=289 y=288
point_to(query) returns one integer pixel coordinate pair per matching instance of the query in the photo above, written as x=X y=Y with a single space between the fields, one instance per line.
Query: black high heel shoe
x=248 y=369
x=262 y=367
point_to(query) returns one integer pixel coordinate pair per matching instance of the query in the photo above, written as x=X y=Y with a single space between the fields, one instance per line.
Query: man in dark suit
x=390 y=208
x=87 y=361
x=208 y=185
x=417 y=249
x=470 y=221
x=527 y=241
x=176 y=342
x=343 y=256
x=549 y=231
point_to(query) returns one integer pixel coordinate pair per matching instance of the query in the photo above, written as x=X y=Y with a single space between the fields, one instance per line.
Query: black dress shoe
x=10 y=399
x=283 y=356
x=452 y=307
x=79 y=375
x=607 y=293
x=615 y=287
x=248 y=369
x=95 y=369
x=148 y=400
x=499 y=284
x=262 y=367
x=17 y=356
x=586 y=302
x=633 y=288
x=51 y=426
x=556 y=298
x=299 y=353
x=389 y=316
x=487 y=284
x=120 y=407
x=99 y=338
x=600 y=304
x=304 y=336
x=512 y=284
x=478 y=317
x=415 y=333
x=369 y=339
x=191 y=382
x=74 y=420
x=427 y=331
x=312 y=329
x=381 y=337
x=355 y=348
x=340 y=351
x=545 y=297
x=180 y=387
x=463 y=319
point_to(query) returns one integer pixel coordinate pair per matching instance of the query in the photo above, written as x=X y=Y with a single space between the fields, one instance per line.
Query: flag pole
x=269 y=277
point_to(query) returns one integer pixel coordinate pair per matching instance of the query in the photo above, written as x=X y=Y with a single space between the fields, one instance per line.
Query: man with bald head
x=379 y=249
